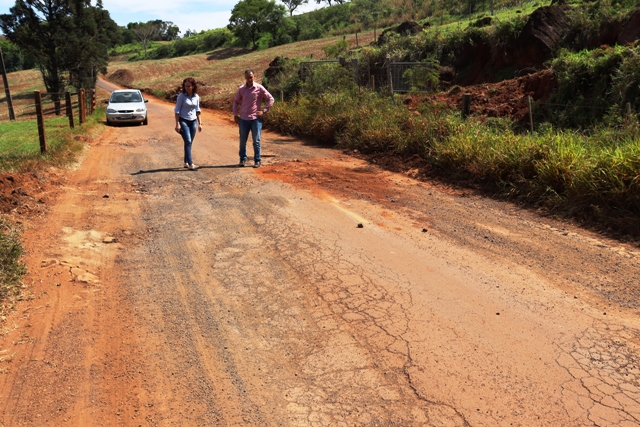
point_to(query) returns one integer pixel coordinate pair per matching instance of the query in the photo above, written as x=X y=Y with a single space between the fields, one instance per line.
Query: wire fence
x=24 y=106
x=43 y=106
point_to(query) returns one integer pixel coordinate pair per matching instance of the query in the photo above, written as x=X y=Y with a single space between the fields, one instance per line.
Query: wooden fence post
x=627 y=116
x=530 y=113
x=69 y=108
x=81 y=100
x=12 y=115
x=93 y=101
x=357 y=45
x=466 y=105
x=43 y=140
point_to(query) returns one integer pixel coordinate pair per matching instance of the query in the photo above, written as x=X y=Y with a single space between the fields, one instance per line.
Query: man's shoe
x=193 y=167
x=186 y=165
x=256 y=165
x=242 y=162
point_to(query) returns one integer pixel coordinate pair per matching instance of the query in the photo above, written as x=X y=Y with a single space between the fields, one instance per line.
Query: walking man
x=248 y=112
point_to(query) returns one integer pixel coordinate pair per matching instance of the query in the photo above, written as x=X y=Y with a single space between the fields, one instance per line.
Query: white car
x=127 y=106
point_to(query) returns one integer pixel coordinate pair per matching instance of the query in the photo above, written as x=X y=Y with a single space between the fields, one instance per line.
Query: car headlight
x=111 y=110
x=139 y=110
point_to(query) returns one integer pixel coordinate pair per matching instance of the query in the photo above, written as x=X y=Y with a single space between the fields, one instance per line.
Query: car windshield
x=126 y=97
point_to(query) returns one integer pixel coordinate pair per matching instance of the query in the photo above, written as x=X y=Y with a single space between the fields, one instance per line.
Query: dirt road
x=318 y=290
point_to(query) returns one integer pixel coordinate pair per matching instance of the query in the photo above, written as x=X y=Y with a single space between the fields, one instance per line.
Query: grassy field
x=19 y=140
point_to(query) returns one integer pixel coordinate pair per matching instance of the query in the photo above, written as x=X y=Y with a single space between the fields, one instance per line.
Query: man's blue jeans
x=188 y=131
x=255 y=126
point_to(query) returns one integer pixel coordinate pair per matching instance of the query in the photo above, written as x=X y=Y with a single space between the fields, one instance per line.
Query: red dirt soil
x=507 y=98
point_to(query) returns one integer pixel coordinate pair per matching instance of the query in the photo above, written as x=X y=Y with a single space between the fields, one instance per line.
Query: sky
x=195 y=15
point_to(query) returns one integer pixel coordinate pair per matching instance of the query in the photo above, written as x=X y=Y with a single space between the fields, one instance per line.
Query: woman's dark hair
x=193 y=83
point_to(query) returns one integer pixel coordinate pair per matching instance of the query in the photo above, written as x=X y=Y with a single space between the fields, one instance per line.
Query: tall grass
x=595 y=176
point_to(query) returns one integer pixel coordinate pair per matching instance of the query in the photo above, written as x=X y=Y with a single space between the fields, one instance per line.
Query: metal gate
x=396 y=74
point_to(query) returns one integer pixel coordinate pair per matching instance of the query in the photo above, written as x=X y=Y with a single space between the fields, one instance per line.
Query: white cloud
x=187 y=15
x=192 y=15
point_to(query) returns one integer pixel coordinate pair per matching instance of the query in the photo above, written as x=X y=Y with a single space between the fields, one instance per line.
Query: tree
x=38 y=27
x=166 y=30
x=87 y=49
x=15 y=59
x=293 y=4
x=189 y=33
x=51 y=31
x=250 y=18
x=324 y=1
x=145 y=33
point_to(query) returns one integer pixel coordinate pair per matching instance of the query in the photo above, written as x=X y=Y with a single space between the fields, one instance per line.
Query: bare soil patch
x=506 y=99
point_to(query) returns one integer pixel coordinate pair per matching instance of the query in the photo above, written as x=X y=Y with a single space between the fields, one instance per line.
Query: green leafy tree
x=87 y=49
x=40 y=28
x=167 y=31
x=250 y=18
x=15 y=59
x=50 y=31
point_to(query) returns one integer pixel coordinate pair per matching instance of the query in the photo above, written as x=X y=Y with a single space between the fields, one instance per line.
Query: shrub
x=162 y=51
x=216 y=38
x=340 y=49
x=626 y=81
x=182 y=47
x=584 y=93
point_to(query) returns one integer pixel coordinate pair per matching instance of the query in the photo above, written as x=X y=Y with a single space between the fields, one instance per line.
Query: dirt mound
x=407 y=28
x=507 y=98
x=122 y=77
x=224 y=104
x=275 y=68
x=22 y=194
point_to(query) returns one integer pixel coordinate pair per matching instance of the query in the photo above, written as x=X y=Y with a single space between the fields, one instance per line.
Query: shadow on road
x=141 y=171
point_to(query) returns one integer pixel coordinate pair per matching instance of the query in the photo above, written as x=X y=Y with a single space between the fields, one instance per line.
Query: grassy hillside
x=221 y=74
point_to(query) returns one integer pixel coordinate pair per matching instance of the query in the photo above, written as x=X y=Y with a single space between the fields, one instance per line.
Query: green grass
x=20 y=143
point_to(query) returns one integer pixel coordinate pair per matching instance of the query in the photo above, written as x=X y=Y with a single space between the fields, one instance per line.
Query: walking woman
x=187 y=113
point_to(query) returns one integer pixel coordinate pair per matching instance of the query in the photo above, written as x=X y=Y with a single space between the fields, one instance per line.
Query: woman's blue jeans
x=188 y=129
x=255 y=126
